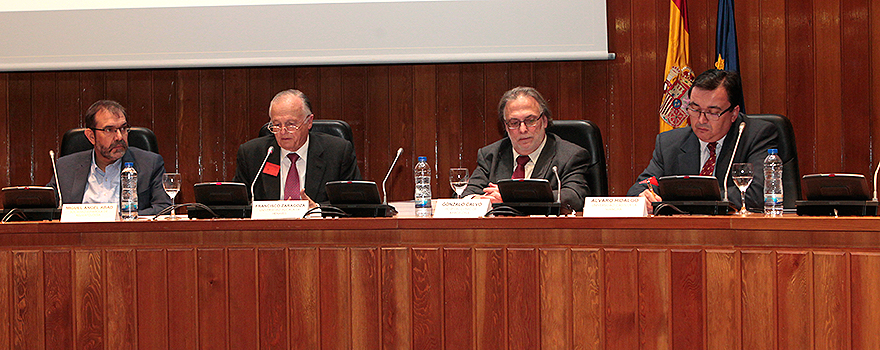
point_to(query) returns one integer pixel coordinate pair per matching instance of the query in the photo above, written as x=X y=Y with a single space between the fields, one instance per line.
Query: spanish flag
x=678 y=72
x=725 y=38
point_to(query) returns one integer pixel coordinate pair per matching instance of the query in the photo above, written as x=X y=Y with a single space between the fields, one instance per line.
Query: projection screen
x=106 y=34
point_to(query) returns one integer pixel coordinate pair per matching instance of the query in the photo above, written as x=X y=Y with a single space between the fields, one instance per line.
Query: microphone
x=558 y=185
x=58 y=184
x=385 y=195
x=875 y=182
x=735 y=145
x=257 y=176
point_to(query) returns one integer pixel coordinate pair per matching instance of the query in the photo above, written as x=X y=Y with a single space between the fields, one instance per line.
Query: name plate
x=279 y=209
x=461 y=208
x=101 y=212
x=615 y=207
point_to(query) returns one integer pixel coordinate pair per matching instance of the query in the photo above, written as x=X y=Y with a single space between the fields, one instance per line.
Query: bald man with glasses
x=705 y=146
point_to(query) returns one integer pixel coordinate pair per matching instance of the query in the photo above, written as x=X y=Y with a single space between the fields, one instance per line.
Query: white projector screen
x=82 y=34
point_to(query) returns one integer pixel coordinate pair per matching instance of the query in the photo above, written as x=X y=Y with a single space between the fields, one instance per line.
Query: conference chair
x=74 y=140
x=791 y=176
x=328 y=126
x=586 y=134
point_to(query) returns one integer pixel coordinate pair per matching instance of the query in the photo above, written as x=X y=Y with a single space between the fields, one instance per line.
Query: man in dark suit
x=530 y=152
x=317 y=157
x=715 y=102
x=93 y=176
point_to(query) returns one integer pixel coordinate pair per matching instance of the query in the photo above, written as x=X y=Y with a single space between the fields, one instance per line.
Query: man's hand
x=651 y=197
x=492 y=193
x=303 y=195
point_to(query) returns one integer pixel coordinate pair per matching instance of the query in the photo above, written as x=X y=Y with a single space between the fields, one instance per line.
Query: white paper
x=279 y=209
x=461 y=208
x=615 y=207
x=102 y=212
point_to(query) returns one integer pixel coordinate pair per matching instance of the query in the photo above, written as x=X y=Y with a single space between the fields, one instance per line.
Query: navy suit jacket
x=74 y=169
x=330 y=158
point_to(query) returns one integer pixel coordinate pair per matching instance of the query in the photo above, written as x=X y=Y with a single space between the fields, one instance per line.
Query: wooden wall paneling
x=646 y=82
x=471 y=122
x=272 y=267
x=759 y=318
x=116 y=87
x=400 y=132
x=555 y=296
x=152 y=298
x=335 y=298
x=6 y=295
x=794 y=280
x=27 y=303
x=210 y=120
x=396 y=286
x=723 y=300
x=283 y=78
x=451 y=89
x=855 y=108
x=121 y=320
x=748 y=18
x=873 y=33
x=307 y=80
x=235 y=111
x=864 y=283
x=523 y=314
x=423 y=127
x=773 y=56
x=570 y=92
x=20 y=123
x=587 y=287
x=242 y=300
x=140 y=98
x=827 y=99
x=330 y=98
x=44 y=119
x=89 y=299
x=182 y=277
x=458 y=298
x=68 y=107
x=800 y=86
x=654 y=299
x=369 y=106
x=619 y=133
x=688 y=299
x=213 y=298
x=701 y=18
x=305 y=295
x=490 y=298
x=546 y=80
x=519 y=74
x=496 y=80
x=427 y=298
x=832 y=300
x=260 y=93
x=189 y=139
x=93 y=88
x=365 y=294
x=164 y=123
x=621 y=299
x=4 y=129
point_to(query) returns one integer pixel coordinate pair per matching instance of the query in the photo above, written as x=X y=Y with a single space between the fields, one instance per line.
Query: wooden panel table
x=407 y=283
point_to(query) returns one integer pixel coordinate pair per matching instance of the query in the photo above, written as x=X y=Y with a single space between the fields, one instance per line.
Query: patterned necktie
x=709 y=167
x=291 y=186
x=520 y=171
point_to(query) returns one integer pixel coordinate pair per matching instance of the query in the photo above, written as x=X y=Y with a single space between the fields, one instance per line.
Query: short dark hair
x=730 y=80
x=111 y=106
x=518 y=91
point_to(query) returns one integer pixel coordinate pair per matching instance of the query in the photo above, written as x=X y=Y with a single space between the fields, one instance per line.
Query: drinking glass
x=458 y=179
x=171 y=183
x=742 y=177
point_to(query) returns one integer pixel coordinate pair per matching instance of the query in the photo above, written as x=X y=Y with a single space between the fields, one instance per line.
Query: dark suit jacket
x=677 y=152
x=330 y=158
x=495 y=162
x=73 y=170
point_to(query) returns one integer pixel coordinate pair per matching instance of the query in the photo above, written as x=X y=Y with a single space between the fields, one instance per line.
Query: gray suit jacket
x=73 y=170
x=495 y=162
x=677 y=152
x=330 y=158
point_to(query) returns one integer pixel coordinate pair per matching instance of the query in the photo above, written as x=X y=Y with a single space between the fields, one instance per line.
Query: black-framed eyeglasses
x=289 y=127
x=124 y=129
x=530 y=122
x=694 y=112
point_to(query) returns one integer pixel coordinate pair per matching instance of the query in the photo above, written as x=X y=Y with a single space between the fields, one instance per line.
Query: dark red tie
x=520 y=171
x=709 y=167
x=291 y=186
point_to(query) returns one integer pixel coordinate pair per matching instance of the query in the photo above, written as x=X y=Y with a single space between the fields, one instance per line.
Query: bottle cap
x=128 y=165
x=423 y=159
x=772 y=151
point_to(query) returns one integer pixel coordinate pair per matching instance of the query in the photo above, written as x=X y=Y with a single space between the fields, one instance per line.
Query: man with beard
x=93 y=176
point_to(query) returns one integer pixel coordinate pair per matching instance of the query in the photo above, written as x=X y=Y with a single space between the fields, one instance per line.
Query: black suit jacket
x=330 y=158
x=495 y=162
x=677 y=152
x=74 y=169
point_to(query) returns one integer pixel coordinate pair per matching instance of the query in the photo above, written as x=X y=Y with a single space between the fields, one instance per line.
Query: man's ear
x=90 y=134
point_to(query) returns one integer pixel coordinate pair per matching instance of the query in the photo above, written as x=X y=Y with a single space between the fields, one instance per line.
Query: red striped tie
x=709 y=167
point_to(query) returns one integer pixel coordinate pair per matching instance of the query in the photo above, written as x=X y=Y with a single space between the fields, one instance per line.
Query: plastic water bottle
x=128 y=186
x=423 y=187
x=772 y=184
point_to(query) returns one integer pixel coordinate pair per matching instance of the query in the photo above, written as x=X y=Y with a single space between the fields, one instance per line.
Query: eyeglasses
x=289 y=127
x=694 y=112
x=124 y=129
x=530 y=122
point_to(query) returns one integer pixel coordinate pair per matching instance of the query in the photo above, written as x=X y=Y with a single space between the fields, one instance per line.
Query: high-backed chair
x=328 y=126
x=587 y=135
x=791 y=175
x=74 y=140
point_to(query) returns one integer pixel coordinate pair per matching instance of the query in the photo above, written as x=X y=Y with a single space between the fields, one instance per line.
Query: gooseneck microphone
x=385 y=195
x=58 y=184
x=558 y=185
x=257 y=176
x=735 y=145
x=875 y=182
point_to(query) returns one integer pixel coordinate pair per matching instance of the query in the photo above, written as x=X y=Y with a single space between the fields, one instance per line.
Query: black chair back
x=791 y=175
x=74 y=140
x=586 y=134
x=328 y=126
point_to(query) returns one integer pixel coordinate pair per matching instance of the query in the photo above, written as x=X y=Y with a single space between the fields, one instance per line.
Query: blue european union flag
x=725 y=38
